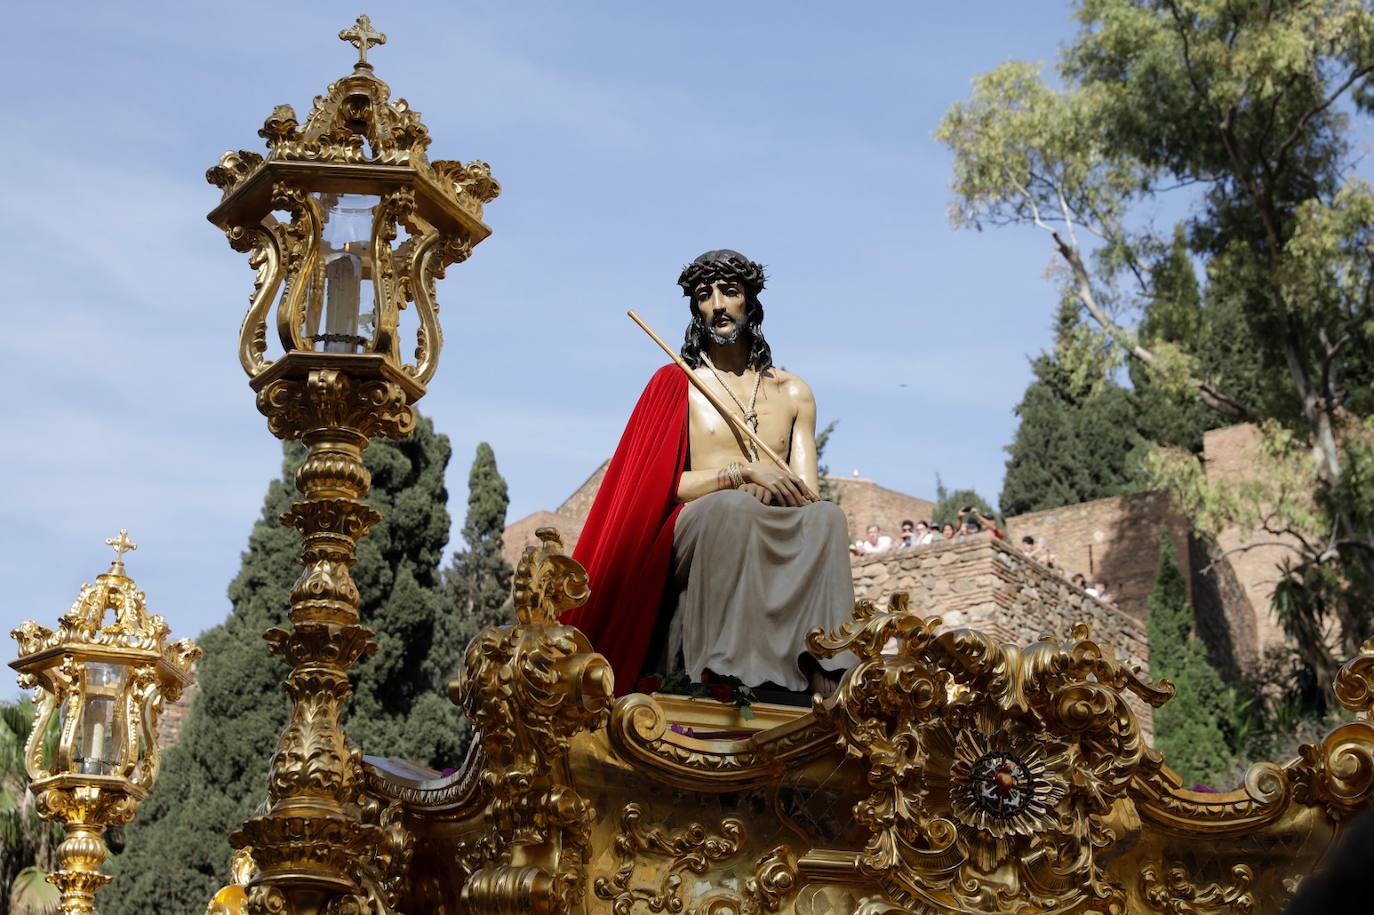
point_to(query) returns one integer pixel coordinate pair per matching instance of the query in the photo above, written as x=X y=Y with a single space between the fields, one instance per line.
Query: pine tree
x=1190 y=727
x=479 y=577
x=217 y=773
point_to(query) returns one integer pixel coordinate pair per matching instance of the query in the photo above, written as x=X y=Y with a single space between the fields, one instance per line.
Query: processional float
x=955 y=773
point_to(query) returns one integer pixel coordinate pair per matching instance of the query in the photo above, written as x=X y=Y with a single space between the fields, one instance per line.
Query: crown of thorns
x=722 y=265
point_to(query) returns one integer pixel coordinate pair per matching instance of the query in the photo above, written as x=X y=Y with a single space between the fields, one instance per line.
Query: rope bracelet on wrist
x=735 y=474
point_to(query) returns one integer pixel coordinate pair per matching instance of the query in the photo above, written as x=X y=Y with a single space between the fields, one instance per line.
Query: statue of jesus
x=698 y=552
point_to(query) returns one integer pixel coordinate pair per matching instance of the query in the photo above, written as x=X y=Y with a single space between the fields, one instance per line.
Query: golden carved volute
x=528 y=690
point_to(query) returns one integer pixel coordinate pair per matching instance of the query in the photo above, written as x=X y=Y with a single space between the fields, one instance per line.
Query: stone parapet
x=982 y=583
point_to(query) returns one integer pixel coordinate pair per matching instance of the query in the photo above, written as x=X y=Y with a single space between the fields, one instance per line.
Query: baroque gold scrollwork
x=692 y=850
x=264 y=247
x=1176 y=892
x=394 y=208
x=427 y=261
x=528 y=690
x=995 y=769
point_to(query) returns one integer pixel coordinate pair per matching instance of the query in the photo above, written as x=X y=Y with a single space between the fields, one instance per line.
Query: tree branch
x=1355 y=76
x=1215 y=399
x=1247 y=547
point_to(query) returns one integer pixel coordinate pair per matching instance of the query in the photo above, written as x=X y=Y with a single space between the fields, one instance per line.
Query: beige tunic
x=754 y=579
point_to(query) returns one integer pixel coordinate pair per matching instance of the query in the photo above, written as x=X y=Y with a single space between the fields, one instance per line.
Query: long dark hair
x=712 y=267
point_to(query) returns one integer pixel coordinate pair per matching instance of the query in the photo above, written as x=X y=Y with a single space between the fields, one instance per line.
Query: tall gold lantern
x=347 y=222
x=105 y=673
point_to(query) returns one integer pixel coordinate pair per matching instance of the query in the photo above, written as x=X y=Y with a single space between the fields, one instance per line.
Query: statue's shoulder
x=791 y=384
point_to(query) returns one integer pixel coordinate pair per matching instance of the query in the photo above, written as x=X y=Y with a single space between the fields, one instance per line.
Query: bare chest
x=713 y=442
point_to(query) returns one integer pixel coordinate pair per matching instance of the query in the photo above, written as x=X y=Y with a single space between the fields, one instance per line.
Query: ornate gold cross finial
x=361 y=36
x=122 y=544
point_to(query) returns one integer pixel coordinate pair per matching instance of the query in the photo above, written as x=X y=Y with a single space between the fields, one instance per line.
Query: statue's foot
x=821 y=681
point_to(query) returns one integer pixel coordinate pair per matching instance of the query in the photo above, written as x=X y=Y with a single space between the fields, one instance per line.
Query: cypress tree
x=1041 y=466
x=1079 y=436
x=1173 y=317
x=479 y=577
x=1189 y=728
x=177 y=852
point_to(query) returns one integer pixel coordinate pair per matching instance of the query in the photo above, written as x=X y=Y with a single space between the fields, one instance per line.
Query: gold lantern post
x=347 y=222
x=106 y=682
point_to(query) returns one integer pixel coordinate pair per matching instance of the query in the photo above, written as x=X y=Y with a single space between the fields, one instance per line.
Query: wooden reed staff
x=731 y=416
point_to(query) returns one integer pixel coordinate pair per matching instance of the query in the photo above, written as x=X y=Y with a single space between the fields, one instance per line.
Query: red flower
x=721 y=692
x=648 y=684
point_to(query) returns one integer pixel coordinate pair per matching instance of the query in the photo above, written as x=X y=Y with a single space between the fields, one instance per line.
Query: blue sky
x=628 y=138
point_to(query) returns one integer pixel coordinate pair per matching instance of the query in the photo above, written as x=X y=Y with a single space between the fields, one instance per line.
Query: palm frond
x=32 y=894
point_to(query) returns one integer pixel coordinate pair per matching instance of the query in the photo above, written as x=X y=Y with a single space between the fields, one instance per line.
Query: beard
x=723 y=339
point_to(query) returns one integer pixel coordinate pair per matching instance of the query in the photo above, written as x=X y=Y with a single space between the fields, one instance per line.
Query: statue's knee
x=732 y=499
x=833 y=515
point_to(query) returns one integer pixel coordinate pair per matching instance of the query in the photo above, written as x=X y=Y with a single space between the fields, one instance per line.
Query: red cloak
x=627 y=542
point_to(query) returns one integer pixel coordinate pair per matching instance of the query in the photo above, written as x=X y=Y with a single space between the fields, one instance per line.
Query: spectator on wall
x=1079 y=581
x=908 y=538
x=947 y=531
x=925 y=534
x=975 y=522
x=875 y=542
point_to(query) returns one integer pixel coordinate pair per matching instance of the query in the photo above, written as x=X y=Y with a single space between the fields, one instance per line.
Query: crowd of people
x=973 y=523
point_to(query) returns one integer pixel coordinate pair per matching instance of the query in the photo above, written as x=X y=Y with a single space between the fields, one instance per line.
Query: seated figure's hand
x=785 y=488
x=758 y=492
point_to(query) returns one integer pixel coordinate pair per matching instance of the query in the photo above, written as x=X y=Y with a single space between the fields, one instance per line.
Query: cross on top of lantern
x=351 y=221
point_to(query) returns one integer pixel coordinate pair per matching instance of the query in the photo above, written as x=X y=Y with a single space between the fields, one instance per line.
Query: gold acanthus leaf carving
x=692 y=850
x=994 y=768
x=330 y=399
x=1177 y=893
x=548 y=582
x=529 y=690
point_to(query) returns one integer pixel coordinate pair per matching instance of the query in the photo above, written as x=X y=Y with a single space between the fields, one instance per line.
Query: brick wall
x=983 y=584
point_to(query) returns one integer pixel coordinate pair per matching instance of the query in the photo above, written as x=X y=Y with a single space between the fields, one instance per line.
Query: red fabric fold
x=627 y=542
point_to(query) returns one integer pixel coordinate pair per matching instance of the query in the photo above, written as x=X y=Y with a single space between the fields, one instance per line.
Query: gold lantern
x=106 y=681
x=347 y=223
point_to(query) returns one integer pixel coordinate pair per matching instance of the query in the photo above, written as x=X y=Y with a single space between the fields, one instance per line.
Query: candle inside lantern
x=99 y=747
x=346 y=263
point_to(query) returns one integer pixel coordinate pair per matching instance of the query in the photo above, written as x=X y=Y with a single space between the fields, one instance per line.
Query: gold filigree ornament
x=1176 y=892
x=692 y=851
x=529 y=690
x=994 y=769
x=104 y=674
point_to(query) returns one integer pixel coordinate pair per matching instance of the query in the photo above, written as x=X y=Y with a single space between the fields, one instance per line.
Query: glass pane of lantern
x=336 y=319
x=99 y=744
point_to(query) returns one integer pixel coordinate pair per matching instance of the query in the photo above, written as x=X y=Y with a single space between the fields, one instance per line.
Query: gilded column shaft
x=309 y=844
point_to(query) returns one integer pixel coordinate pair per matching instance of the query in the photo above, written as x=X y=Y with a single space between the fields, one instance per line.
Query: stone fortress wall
x=983 y=583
